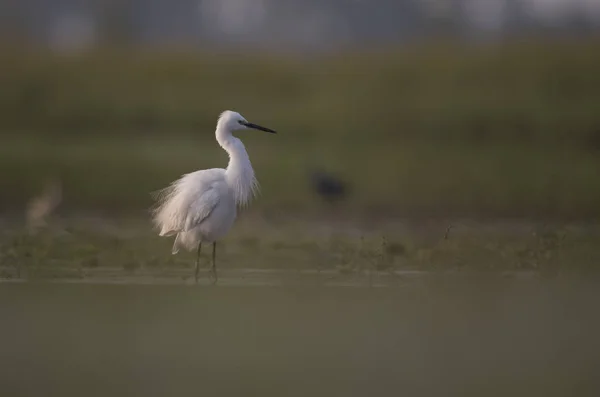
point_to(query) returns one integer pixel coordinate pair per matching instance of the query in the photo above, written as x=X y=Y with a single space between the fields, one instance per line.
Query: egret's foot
x=212 y=274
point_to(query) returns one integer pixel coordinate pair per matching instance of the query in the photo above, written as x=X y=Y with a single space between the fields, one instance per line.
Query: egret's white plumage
x=201 y=206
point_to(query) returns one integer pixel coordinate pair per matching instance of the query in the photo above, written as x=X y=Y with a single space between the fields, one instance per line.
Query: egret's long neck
x=239 y=173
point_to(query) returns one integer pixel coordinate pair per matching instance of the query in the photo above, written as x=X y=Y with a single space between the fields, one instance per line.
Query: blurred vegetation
x=446 y=130
x=77 y=247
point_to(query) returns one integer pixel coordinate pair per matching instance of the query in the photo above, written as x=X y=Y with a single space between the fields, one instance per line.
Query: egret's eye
x=241 y=122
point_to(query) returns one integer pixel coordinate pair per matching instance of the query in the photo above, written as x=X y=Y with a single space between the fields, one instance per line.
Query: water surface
x=445 y=336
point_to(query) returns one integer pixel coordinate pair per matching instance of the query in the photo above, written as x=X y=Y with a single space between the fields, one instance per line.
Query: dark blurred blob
x=329 y=187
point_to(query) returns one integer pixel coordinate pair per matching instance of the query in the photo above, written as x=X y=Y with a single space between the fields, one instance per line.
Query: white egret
x=201 y=206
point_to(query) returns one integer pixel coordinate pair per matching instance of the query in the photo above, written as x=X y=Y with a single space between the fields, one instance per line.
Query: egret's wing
x=201 y=208
x=187 y=201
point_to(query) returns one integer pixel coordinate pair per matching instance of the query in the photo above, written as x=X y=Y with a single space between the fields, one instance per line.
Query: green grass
x=434 y=130
x=546 y=91
x=410 y=180
x=78 y=247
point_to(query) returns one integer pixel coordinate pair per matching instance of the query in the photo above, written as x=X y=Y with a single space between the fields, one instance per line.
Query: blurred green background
x=456 y=124
x=431 y=129
x=466 y=131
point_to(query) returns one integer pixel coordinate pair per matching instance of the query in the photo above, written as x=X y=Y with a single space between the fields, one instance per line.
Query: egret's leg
x=213 y=267
x=198 y=261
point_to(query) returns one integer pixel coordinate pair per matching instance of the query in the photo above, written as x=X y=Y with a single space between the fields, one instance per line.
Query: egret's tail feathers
x=185 y=240
x=167 y=233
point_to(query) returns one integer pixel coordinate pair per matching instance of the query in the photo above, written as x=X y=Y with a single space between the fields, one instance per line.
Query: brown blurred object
x=40 y=207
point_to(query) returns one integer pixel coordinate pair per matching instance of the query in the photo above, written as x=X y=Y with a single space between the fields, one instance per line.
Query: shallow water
x=444 y=336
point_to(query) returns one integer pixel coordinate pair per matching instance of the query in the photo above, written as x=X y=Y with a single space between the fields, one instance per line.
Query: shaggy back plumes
x=172 y=203
x=165 y=215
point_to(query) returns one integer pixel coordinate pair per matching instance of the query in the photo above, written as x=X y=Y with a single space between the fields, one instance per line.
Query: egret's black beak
x=258 y=127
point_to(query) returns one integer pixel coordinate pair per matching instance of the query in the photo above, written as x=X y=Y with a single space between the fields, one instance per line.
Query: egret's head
x=233 y=121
